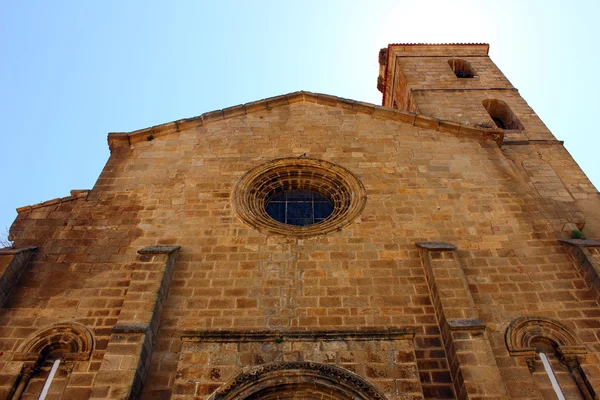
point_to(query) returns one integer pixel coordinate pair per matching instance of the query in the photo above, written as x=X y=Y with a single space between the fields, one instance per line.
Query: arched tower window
x=502 y=115
x=553 y=354
x=461 y=68
x=48 y=358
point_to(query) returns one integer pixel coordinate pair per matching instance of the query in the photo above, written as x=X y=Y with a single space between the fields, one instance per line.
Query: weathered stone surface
x=208 y=297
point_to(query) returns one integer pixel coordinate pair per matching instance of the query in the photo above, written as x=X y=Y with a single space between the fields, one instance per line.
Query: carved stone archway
x=523 y=333
x=75 y=339
x=69 y=342
x=298 y=380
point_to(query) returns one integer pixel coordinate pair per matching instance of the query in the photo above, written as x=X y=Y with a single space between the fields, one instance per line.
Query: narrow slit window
x=552 y=377
x=49 y=380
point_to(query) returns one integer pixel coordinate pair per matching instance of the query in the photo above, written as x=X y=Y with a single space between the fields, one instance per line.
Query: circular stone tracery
x=254 y=190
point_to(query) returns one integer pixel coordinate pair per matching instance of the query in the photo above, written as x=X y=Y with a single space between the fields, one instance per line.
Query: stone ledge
x=16 y=250
x=436 y=246
x=158 y=249
x=527 y=142
x=581 y=242
x=462 y=89
x=75 y=195
x=308 y=335
x=277 y=101
x=79 y=193
x=438 y=49
x=130 y=328
x=465 y=325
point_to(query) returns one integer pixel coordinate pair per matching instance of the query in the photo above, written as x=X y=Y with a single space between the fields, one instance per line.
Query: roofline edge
x=121 y=139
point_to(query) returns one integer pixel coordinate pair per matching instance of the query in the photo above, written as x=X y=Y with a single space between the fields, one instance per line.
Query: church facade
x=306 y=246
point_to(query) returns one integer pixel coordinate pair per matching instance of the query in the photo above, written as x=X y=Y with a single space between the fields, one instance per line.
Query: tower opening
x=502 y=115
x=461 y=68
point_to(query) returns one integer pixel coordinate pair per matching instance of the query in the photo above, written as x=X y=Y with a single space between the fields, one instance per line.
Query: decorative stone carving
x=531 y=364
x=334 y=382
x=523 y=331
x=340 y=186
x=76 y=339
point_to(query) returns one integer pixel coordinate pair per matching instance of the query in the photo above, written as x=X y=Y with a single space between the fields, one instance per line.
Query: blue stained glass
x=299 y=208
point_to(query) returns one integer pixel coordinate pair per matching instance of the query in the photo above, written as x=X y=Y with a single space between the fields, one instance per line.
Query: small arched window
x=552 y=370
x=48 y=357
x=553 y=354
x=51 y=374
x=502 y=115
x=461 y=68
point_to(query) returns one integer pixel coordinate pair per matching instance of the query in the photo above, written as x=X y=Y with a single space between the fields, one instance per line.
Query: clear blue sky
x=73 y=71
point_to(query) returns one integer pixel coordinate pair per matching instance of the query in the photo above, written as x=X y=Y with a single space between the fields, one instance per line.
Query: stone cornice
x=310 y=335
x=75 y=195
x=446 y=49
x=159 y=249
x=439 y=246
x=530 y=142
x=127 y=139
x=581 y=242
x=16 y=250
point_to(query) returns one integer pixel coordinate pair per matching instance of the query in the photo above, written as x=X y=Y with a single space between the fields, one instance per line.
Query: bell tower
x=459 y=83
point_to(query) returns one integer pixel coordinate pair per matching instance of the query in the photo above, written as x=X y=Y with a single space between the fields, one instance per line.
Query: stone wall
x=425 y=181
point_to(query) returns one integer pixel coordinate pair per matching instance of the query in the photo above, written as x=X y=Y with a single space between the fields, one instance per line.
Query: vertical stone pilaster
x=12 y=264
x=472 y=363
x=127 y=358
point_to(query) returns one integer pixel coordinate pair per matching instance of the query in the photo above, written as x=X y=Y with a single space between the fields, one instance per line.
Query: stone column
x=472 y=363
x=127 y=358
x=28 y=370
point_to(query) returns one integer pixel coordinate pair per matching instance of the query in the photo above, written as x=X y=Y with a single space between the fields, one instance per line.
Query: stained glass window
x=295 y=207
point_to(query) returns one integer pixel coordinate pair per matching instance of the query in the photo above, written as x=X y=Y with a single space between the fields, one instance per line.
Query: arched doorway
x=298 y=381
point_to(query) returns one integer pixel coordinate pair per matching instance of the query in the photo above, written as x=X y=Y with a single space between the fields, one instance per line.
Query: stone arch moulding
x=270 y=381
x=77 y=341
x=522 y=332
